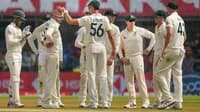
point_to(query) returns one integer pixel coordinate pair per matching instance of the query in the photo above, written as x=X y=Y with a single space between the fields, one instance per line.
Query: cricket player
x=80 y=43
x=41 y=58
x=110 y=68
x=132 y=52
x=52 y=41
x=96 y=28
x=172 y=58
x=15 y=40
x=160 y=34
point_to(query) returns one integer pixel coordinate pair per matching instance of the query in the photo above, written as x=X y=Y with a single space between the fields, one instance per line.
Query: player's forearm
x=112 y=43
x=79 y=45
x=70 y=20
x=152 y=42
x=167 y=39
x=185 y=36
x=32 y=45
x=12 y=41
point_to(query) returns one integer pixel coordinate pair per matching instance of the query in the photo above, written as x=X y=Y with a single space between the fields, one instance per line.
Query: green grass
x=191 y=104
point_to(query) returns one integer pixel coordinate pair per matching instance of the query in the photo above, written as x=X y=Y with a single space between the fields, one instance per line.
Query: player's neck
x=160 y=23
x=130 y=29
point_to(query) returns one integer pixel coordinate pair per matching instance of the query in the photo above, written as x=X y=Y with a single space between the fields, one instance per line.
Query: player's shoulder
x=138 y=28
x=10 y=27
x=124 y=31
x=51 y=23
x=114 y=27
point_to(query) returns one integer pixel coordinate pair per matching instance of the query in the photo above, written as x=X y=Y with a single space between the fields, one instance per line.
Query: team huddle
x=100 y=40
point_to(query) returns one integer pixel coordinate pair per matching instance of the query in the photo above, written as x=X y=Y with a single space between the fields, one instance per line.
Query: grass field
x=191 y=104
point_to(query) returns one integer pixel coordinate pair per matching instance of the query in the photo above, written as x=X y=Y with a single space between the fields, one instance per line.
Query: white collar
x=54 y=21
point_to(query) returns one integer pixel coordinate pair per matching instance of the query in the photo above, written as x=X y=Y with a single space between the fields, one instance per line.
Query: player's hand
x=163 y=53
x=49 y=44
x=26 y=32
x=110 y=61
x=125 y=60
x=62 y=9
x=146 y=52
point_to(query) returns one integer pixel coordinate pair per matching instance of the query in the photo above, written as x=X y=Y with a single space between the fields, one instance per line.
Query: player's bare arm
x=185 y=36
x=68 y=18
x=124 y=59
x=112 y=44
x=167 y=40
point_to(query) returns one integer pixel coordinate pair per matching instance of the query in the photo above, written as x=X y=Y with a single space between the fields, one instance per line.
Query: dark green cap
x=110 y=12
x=95 y=4
x=160 y=13
x=20 y=14
x=172 y=5
x=130 y=18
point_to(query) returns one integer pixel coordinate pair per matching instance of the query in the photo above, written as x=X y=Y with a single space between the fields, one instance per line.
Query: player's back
x=178 y=30
x=96 y=27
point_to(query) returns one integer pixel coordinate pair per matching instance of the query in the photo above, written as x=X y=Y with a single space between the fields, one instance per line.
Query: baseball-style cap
x=110 y=12
x=160 y=13
x=130 y=18
x=20 y=14
x=95 y=4
x=172 y=5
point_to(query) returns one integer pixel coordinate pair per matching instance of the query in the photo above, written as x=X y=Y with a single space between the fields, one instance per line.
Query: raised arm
x=31 y=42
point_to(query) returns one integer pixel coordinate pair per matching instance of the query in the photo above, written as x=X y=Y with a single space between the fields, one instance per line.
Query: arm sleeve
x=31 y=42
x=169 y=22
x=79 y=38
x=107 y=24
x=10 y=37
x=149 y=35
x=61 y=50
x=83 y=21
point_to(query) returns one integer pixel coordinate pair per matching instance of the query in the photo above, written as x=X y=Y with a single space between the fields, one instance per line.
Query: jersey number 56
x=96 y=30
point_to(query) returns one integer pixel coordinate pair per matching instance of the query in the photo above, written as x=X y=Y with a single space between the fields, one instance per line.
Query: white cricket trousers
x=14 y=62
x=136 y=68
x=110 y=74
x=172 y=61
x=51 y=77
x=41 y=74
x=96 y=67
x=157 y=89
x=83 y=77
